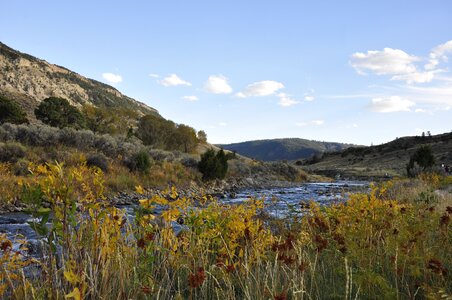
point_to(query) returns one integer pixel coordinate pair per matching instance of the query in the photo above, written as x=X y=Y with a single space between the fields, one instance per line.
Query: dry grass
x=372 y=247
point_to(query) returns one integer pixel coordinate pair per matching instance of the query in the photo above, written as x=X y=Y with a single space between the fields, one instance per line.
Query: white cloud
x=285 y=100
x=387 y=62
x=438 y=97
x=313 y=122
x=438 y=54
x=391 y=104
x=261 y=88
x=309 y=98
x=217 y=84
x=173 y=80
x=153 y=75
x=223 y=124
x=420 y=110
x=190 y=98
x=112 y=78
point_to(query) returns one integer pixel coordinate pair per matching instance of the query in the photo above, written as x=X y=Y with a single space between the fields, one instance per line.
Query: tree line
x=152 y=130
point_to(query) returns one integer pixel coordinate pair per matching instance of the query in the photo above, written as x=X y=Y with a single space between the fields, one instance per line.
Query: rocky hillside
x=283 y=149
x=29 y=80
x=385 y=160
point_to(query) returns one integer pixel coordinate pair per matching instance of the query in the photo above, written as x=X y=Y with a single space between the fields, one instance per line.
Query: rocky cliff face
x=29 y=80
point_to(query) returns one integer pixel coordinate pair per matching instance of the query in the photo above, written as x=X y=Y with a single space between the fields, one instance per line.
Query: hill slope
x=29 y=80
x=283 y=149
x=386 y=159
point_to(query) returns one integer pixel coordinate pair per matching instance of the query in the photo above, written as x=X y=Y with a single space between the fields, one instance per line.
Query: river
x=279 y=202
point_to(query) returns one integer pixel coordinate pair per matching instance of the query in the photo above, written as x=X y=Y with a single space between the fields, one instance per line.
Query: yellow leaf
x=145 y=203
x=159 y=200
x=139 y=189
x=74 y=294
x=71 y=277
x=171 y=214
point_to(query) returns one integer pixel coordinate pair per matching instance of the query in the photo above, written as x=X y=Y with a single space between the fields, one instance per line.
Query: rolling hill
x=29 y=80
x=283 y=149
x=389 y=159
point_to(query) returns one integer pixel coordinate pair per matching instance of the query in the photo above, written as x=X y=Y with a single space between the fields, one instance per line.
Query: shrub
x=10 y=112
x=11 y=152
x=106 y=144
x=139 y=162
x=162 y=155
x=58 y=112
x=20 y=168
x=189 y=162
x=213 y=165
x=97 y=160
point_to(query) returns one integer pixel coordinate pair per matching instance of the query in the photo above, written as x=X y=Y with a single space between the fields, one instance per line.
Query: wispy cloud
x=312 y=122
x=190 y=98
x=217 y=84
x=285 y=100
x=261 y=88
x=438 y=54
x=154 y=75
x=173 y=80
x=112 y=78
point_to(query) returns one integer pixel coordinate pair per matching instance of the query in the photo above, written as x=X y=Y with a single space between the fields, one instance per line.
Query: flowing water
x=279 y=202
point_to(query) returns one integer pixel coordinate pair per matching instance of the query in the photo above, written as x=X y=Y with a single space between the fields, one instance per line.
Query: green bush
x=58 y=112
x=139 y=162
x=213 y=165
x=423 y=158
x=10 y=112
x=97 y=160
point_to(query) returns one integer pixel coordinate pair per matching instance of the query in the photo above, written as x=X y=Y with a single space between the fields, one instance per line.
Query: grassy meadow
x=393 y=243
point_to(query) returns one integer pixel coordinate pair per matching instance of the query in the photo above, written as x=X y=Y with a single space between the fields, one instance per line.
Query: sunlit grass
x=375 y=246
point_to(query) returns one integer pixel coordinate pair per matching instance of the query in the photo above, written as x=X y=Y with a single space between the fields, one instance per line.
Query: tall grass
x=372 y=247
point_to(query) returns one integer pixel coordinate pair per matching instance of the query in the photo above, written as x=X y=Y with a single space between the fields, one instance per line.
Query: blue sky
x=349 y=71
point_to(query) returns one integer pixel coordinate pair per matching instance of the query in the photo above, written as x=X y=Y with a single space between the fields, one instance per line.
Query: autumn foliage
x=196 y=247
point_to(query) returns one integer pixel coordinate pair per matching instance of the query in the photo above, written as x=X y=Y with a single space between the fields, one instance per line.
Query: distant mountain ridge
x=284 y=149
x=29 y=80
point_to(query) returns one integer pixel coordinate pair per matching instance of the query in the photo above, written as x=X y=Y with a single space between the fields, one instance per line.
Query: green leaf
x=39 y=228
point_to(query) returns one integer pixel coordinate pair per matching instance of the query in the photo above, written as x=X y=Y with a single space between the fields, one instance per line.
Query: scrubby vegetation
x=375 y=246
x=385 y=160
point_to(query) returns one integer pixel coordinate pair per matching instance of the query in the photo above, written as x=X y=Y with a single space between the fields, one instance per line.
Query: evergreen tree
x=423 y=157
x=213 y=165
x=10 y=112
x=58 y=112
